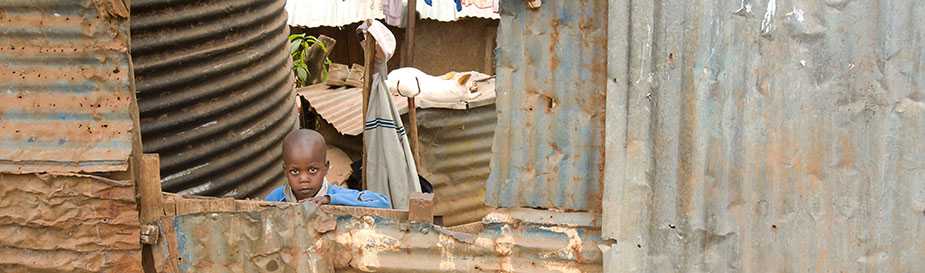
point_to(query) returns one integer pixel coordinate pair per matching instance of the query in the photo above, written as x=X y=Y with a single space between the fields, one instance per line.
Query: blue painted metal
x=66 y=98
x=551 y=74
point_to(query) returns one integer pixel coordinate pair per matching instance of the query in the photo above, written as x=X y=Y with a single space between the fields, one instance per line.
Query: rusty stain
x=558 y=103
x=51 y=74
x=763 y=154
x=363 y=241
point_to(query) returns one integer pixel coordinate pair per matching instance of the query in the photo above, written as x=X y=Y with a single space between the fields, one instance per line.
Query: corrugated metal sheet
x=548 y=147
x=342 y=106
x=215 y=92
x=65 y=91
x=455 y=157
x=455 y=145
x=766 y=136
x=270 y=241
x=66 y=107
x=310 y=13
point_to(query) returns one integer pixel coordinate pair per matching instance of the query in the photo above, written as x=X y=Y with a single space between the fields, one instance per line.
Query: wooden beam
x=149 y=188
x=421 y=207
x=408 y=61
x=368 y=62
x=410 y=20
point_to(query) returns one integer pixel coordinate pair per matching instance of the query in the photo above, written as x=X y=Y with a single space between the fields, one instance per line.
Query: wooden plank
x=368 y=62
x=149 y=188
x=421 y=207
x=410 y=20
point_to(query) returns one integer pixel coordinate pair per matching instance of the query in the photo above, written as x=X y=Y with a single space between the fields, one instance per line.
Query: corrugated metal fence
x=67 y=129
x=766 y=136
x=548 y=147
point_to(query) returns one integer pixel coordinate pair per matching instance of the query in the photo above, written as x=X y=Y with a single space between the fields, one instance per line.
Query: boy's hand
x=320 y=200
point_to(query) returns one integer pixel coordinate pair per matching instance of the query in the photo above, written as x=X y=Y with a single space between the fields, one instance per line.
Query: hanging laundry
x=482 y=4
x=391 y=169
x=393 y=9
x=458 y=4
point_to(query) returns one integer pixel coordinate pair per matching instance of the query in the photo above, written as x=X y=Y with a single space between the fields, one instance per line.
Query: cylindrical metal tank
x=215 y=92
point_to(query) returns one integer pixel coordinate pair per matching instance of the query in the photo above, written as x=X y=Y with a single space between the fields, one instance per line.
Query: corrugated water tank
x=214 y=91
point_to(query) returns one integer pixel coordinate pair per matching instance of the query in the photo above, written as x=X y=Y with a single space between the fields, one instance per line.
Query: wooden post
x=421 y=207
x=149 y=188
x=408 y=60
x=410 y=20
x=368 y=63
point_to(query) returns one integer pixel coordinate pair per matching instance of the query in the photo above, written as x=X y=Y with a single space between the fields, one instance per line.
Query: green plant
x=299 y=44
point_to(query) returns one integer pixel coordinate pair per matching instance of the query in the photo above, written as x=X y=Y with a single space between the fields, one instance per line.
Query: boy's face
x=305 y=169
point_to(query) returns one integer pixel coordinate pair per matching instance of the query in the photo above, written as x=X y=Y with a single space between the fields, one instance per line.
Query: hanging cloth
x=390 y=166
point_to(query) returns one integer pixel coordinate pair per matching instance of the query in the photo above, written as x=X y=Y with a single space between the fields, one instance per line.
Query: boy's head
x=305 y=162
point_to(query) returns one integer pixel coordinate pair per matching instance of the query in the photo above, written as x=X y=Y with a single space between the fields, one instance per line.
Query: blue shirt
x=341 y=197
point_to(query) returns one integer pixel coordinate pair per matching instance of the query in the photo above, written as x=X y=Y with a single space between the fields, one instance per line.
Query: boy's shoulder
x=277 y=195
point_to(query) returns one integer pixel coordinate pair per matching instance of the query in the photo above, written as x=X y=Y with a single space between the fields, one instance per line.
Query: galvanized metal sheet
x=455 y=156
x=215 y=92
x=300 y=238
x=65 y=87
x=766 y=136
x=548 y=147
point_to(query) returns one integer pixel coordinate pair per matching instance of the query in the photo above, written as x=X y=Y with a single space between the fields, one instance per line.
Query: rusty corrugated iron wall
x=215 y=92
x=322 y=240
x=455 y=156
x=548 y=147
x=67 y=123
x=64 y=93
x=766 y=136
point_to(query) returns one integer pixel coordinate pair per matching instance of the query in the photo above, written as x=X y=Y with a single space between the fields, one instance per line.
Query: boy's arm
x=349 y=197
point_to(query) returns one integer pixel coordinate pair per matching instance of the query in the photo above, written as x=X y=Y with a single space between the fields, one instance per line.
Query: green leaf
x=302 y=73
x=293 y=36
x=294 y=46
x=304 y=54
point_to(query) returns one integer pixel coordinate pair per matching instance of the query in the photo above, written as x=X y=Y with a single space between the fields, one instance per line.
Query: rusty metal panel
x=455 y=156
x=548 y=147
x=342 y=107
x=65 y=88
x=766 y=136
x=301 y=238
x=215 y=92
x=68 y=223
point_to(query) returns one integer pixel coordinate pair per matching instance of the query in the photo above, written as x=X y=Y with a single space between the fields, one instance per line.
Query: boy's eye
x=294 y=172
x=312 y=170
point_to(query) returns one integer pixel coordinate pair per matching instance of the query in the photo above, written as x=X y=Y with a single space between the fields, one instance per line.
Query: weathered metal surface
x=301 y=238
x=548 y=147
x=65 y=88
x=68 y=223
x=215 y=92
x=66 y=108
x=342 y=107
x=455 y=157
x=766 y=136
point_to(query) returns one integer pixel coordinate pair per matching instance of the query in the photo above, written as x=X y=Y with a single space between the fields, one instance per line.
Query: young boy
x=305 y=164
